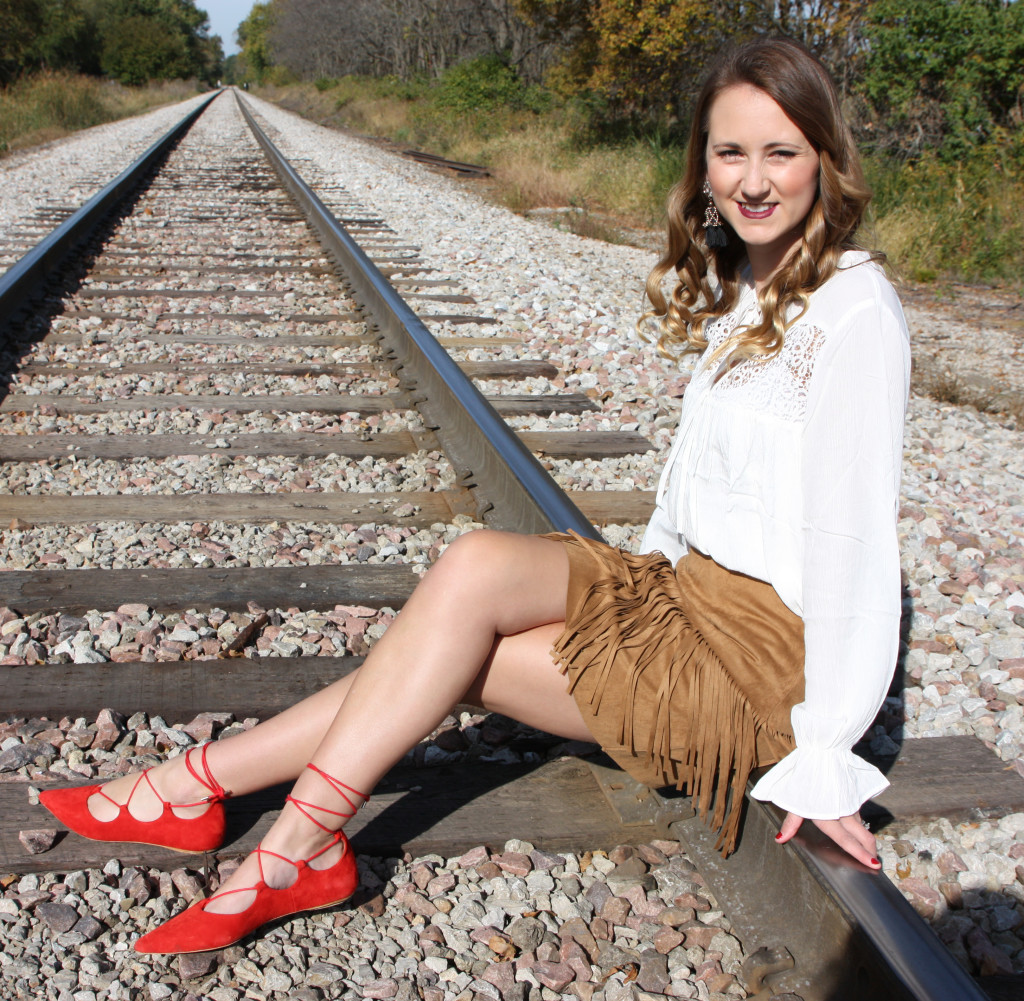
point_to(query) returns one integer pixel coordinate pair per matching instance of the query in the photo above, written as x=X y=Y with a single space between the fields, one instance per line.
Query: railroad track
x=223 y=352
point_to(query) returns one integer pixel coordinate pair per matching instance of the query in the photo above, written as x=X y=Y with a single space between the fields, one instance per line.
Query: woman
x=774 y=637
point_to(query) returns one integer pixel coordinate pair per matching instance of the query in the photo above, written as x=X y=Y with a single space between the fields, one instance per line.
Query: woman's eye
x=783 y=154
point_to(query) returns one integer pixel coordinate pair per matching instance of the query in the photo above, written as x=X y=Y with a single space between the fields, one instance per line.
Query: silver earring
x=714 y=231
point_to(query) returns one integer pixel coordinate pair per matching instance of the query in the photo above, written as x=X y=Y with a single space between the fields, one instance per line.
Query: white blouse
x=788 y=470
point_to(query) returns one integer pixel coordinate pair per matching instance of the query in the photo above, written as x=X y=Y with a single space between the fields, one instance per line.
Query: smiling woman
x=763 y=175
x=786 y=466
x=780 y=136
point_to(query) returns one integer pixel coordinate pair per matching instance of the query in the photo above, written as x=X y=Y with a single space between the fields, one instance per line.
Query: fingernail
x=778 y=837
x=875 y=861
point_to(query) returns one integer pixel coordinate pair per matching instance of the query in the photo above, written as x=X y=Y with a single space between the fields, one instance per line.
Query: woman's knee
x=520 y=579
x=474 y=555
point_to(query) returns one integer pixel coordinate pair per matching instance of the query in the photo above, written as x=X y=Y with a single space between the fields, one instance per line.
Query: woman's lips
x=756 y=211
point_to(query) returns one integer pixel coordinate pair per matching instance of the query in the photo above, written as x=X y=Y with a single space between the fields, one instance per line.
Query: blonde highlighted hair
x=801 y=86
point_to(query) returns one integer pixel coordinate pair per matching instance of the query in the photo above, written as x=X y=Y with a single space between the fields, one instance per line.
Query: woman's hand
x=848 y=832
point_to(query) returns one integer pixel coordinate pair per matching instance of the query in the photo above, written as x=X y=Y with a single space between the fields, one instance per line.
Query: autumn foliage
x=916 y=75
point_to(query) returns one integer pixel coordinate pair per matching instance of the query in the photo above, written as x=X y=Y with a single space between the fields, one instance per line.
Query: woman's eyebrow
x=772 y=144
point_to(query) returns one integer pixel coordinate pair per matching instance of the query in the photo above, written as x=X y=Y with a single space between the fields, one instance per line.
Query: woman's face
x=763 y=174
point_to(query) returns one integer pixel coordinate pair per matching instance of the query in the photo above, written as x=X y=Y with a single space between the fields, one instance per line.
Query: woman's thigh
x=520 y=679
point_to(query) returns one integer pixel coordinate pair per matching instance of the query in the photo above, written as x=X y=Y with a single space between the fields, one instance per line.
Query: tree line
x=403 y=38
x=132 y=41
x=915 y=74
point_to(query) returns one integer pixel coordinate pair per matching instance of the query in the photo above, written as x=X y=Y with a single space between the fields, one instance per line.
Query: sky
x=225 y=17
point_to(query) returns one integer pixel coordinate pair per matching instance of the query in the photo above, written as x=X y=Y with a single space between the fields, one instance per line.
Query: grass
x=48 y=106
x=535 y=156
x=934 y=219
x=962 y=220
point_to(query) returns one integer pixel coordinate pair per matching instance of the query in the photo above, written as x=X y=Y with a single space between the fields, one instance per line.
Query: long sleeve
x=851 y=456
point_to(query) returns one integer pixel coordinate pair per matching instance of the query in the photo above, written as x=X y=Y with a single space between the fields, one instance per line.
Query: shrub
x=484 y=84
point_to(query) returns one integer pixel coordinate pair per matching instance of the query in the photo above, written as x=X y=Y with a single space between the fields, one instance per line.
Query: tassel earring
x=714 y=232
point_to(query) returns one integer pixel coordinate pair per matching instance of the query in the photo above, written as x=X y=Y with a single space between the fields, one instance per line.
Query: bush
x=945 y=75
x=485 y=84
x=965 y=219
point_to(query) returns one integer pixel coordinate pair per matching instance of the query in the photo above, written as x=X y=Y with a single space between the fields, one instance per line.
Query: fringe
x=699 y=732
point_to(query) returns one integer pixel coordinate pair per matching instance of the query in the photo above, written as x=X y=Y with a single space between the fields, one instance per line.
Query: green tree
x=139 y=49
x=20 y=22
x=47 y=34
x=67 y=38
x=944 y=74
x=156 y=40
x=254 y=33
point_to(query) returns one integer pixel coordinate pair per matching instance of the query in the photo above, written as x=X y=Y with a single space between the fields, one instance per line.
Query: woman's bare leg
x=282 y=744
x=479 y=627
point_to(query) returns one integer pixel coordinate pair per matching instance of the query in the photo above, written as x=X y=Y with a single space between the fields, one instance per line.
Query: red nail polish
x=875 y=861
x=778 y=837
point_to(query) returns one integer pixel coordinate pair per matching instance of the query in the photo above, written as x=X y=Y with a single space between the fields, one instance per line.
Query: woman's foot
x=312 y=884
x=274 y=865
x=175 y=806
x=302 y=864
x=144 y=798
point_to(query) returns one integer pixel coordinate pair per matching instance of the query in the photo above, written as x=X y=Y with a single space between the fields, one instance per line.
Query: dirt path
x=968 y=343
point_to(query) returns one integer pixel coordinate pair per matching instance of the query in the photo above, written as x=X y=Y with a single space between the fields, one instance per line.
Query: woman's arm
x=852 y=452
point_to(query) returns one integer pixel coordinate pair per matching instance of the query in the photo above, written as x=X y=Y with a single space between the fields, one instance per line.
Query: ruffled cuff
x=820 y=784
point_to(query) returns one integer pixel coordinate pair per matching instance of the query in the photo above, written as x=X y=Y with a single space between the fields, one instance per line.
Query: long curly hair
x=801 y=86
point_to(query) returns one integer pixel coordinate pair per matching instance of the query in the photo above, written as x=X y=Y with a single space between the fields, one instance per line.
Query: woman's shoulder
x=859 y=282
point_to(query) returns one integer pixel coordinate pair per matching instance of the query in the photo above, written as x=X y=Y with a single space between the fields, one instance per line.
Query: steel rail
x=858 y=936
x=18 y=282
x=851 y=933
x=474 y=436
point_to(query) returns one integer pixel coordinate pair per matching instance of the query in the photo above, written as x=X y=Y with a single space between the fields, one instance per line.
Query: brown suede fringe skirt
x=685 y=676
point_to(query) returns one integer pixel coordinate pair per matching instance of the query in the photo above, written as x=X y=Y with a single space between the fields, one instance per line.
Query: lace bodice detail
x=777 y=385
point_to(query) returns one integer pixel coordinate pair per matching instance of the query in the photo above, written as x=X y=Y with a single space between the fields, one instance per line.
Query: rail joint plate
x=637 y=805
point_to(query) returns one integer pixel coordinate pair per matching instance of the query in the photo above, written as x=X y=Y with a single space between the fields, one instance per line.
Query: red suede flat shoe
x=198 y=929
x=198 y=834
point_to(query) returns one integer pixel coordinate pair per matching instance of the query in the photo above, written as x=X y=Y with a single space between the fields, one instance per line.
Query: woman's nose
x=755 y=184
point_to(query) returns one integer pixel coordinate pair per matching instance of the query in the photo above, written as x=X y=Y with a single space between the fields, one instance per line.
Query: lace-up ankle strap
x=217 y=791
x=342 y=790
x=142 y=775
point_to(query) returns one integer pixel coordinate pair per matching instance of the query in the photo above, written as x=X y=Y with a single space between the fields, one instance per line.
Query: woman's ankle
x=295 y=837
x=188 y=781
